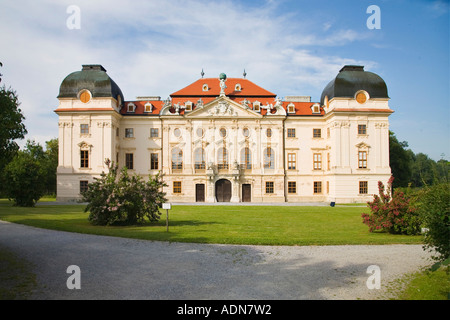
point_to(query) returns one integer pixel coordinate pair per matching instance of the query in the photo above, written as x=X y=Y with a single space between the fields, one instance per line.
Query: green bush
x=434 y=208
x=392 y=214
x=117 y=198
x=22 y=179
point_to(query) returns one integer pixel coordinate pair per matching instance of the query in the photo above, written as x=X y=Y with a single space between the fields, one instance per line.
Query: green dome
x=350 y=80
x=222 y=76
x=93 y=78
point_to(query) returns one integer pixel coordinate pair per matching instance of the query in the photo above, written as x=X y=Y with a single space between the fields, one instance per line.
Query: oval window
x=269 y=133
x=245 y=132
x=361 y=97
x=177 y=132
x=199 y=132
x=223 y=132
x=85 y=96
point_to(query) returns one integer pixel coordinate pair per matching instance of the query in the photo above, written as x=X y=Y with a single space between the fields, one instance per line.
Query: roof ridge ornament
x=223 y=86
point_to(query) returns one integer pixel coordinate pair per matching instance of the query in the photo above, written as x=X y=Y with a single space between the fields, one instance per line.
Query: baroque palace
x=229 y=140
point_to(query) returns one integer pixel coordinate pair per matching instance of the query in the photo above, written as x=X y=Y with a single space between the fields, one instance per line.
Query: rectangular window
x=177 y=187
x=84 y=159
x=362 y=159
x=154 y=132
x=291 y=133
x=269 y=187
x=129 y=160
x=362 y=129
x=83 y=186
x=129 y=133
x=291 y=161
x=84 y=128
x=317 y=161
x=363 y=187
x=154 y=161
x=292 y=187
x=317 y=133
x=317 y=187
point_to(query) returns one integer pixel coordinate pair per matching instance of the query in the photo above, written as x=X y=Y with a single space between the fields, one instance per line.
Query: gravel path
x=116 y=268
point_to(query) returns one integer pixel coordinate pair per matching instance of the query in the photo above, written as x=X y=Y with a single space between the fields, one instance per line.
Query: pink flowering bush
x=118 y=198
x=392 y=214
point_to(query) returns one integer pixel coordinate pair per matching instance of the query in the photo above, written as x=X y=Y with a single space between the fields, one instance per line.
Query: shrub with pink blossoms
x=392 y=214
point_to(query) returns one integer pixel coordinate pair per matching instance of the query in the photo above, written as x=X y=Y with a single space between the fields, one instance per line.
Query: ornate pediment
x=223 y=107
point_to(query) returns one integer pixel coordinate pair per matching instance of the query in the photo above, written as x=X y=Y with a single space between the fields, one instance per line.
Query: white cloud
x=157 y=47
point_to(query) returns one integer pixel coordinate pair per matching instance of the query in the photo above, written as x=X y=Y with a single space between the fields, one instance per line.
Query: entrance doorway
x=223 y=190
x=246 y=193
x=200 y=193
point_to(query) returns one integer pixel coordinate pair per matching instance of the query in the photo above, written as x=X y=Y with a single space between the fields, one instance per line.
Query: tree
x=434 y=208
x=423 y=170
x=24 y=176
x=11 y=126
x=400 y=161
x=117 y=198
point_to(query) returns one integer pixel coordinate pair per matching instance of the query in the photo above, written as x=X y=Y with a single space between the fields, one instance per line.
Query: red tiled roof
x=248 y=88
x=157 y=105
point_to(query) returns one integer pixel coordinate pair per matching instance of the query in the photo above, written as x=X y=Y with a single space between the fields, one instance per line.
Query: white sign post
x=167 y=206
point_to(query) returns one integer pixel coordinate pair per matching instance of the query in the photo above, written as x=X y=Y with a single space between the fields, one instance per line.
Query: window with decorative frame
x=199 y=159
x=177 y=159
x=317 y=133
x=129 y=161
x=292 y=161
x=84 y=158
x=362 y=159
x=84 y=185
x=269 y=158
x=154 y=161
x=317 y=161
x=246 y=158
x=222 y=159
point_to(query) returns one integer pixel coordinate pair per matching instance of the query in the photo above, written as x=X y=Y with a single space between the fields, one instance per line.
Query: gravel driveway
x=117 y=268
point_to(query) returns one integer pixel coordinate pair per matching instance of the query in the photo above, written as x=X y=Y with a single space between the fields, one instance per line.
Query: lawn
x=258 y=225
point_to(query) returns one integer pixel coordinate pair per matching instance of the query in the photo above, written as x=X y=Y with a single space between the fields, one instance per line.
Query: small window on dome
x=291 y=108
x=131 y=107
x=205 y=87
x=148 y=107
x=188 y=106
x=85 y=96
x=257 y=106
x=237 y=87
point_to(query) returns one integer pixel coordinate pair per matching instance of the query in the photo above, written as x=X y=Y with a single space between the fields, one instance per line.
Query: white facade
x=337 y=152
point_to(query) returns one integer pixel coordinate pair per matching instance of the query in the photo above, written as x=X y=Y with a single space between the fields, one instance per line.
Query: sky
x=289 y=47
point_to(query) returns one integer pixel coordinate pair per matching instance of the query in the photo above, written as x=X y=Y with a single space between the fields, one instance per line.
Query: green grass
x=263 y=225
x=16 y=278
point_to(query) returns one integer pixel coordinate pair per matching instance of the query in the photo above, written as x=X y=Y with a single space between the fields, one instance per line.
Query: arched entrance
x=223 y=190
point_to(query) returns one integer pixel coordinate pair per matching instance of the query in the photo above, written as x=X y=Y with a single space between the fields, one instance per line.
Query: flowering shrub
x=392 y=214
x=117 y=198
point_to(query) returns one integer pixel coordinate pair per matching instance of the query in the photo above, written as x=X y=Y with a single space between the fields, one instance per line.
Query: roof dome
x=93 y=78
x=222 y=76
x=352 y=79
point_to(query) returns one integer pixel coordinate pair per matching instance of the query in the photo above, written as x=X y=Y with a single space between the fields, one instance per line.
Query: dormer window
x=315 y=108
x=257 y=106
x=148 y=107
x=291 y=108
x=237 y=87
x=131 y=107
x=205 y=87
x=188 y=106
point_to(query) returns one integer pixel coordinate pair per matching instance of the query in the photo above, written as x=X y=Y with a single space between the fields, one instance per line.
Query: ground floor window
x=83 y=186
x=269 y=187
x=363 y=187
x=317 y=187
x=292 y=187
x=177 y=187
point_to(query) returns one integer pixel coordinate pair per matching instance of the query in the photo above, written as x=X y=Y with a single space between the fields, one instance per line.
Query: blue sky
x=293 y=47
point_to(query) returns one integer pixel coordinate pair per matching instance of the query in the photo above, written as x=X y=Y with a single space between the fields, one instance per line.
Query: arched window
x=246 y=158
x=222 y=158
x=199 y=158
x=269 y=158
x=177 y=159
